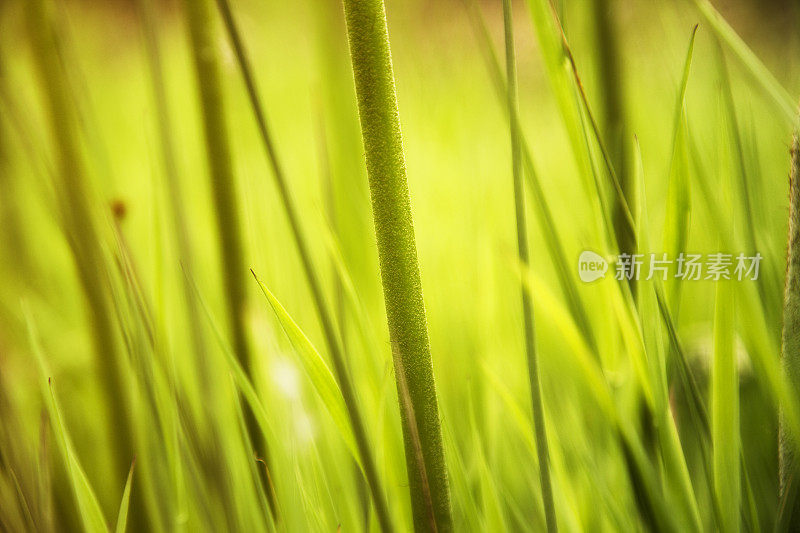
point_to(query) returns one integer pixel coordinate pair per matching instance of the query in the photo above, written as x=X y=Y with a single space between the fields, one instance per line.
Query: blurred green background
x=458 y=159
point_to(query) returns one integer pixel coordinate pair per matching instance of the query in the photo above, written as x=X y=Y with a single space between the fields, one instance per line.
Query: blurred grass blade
x=551 y=49
x=656 y=346
x=254 y=466
x=760 y=74
x=89 y=510
x=609 y=62
x=80 y=222
x=208 y=73
x=153 y=44
x=678 y=201
x=317 y=371
x=122 y=515
x=725 y=410
x=689 y=384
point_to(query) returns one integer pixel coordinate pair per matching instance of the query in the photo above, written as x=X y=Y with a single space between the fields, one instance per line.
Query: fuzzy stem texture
x=790 y=339
x=397 y=253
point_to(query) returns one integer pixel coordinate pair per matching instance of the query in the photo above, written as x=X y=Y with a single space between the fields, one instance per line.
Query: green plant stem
x=790 y=340
x=329 y=326
x=524 y=258
x=397 y=254
x=82 y=231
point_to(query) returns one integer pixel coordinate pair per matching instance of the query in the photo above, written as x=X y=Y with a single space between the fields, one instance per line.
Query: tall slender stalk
x=790 y=341
x=524 y=258
x=397 y=254
x=542 y=211
x=326 y=318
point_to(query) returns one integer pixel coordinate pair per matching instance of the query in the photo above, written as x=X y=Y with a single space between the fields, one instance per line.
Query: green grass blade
x=613 y=114
x=759 y=73
x=223 y=183
x=543 y=213
x=790 y=342
x=725 y=410
x=656 y=345
x=548 y=36
x=678 y=202
x=317 y=371
x=175 y=193
x=89 y=510
x=327 y=321
x=122 y=515
x=80 y=221
x=255 y=466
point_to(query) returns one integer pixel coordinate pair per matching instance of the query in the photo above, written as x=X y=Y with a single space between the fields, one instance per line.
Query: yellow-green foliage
x=397 y=252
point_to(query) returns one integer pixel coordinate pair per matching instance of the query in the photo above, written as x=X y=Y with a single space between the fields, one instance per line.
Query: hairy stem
x=397 y=254
x=790 y=340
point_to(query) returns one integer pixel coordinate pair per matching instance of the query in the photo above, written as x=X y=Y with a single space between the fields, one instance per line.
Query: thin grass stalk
x=524 y=258
x=82 y=231
x=327 y=321
x=790 y=339
x=759 y=73
x=370 y=55
x=543 y=213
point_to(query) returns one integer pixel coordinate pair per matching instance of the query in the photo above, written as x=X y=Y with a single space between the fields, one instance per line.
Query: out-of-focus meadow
x=628 y=450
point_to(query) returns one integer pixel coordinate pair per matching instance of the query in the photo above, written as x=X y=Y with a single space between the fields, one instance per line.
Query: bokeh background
x=458 y=159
